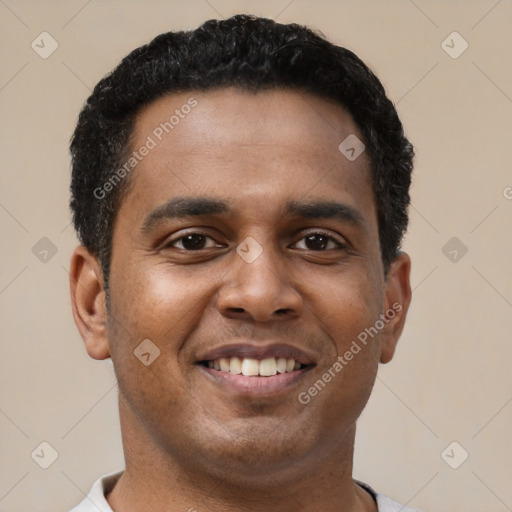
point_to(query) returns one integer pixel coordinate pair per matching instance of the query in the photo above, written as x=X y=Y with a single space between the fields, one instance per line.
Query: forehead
x=301 y=119
x=253 y=146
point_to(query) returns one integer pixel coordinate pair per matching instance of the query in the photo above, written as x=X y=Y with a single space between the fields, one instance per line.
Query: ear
x=396 y=304
x=88 y=302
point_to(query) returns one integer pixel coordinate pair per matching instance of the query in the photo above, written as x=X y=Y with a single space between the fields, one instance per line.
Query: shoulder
x=385 y=503
x=95 y=501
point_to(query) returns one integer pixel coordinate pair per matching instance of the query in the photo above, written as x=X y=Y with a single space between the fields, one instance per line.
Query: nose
x=259 y=291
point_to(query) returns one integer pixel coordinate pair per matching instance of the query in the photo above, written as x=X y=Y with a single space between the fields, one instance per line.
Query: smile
x=262 y=369
x=253 y=367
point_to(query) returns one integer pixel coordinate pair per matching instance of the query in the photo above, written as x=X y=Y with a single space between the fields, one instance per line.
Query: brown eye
x=193 y=242
x=319 y=242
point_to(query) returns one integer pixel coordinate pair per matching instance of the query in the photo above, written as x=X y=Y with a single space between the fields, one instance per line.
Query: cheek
x=346 y=311
x=159 y=304
x=152 y=312
x=346 y=306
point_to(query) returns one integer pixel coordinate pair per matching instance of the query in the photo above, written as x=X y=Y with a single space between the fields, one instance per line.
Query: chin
x=248 y=453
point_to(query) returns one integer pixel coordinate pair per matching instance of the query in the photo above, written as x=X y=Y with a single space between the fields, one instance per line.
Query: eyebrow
x=181 y=207
x=325 y=210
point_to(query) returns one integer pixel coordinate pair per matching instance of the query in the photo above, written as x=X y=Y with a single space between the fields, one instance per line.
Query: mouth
x=248 y=369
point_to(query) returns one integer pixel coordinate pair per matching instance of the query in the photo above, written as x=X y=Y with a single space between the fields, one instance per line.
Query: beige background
x=451 y=379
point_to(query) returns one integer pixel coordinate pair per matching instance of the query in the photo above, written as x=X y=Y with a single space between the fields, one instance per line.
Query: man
x=241 y=193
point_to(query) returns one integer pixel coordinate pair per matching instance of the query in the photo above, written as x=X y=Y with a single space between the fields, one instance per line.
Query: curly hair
x=252 y=54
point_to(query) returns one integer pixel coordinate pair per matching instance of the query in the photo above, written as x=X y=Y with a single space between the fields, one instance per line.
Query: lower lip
x=254 y=385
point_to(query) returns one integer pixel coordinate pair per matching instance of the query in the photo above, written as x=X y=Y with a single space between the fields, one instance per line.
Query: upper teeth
x=248 y=366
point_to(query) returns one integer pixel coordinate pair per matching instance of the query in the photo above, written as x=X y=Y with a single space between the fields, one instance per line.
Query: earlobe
x=88 y=302
x=398 y=298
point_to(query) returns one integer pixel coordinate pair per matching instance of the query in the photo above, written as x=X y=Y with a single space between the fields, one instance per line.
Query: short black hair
x=252 y=54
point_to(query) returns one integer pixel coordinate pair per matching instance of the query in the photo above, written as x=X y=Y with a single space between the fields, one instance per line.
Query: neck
x=156 y=480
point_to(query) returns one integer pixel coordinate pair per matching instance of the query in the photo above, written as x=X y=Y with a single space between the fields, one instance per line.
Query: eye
x=193 y=242
x=319 y=242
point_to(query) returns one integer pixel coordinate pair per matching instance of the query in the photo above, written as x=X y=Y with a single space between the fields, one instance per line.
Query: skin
x=190 y=442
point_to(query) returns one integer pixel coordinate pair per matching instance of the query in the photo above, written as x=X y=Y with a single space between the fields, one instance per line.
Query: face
x=248 y=242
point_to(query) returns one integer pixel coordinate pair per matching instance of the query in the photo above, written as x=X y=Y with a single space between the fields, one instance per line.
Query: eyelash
x=330 y=238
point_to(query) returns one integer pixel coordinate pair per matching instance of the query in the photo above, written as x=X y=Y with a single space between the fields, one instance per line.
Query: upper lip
x=259 y=351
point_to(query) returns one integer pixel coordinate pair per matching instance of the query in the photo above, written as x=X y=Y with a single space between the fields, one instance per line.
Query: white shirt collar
x=95 y=501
